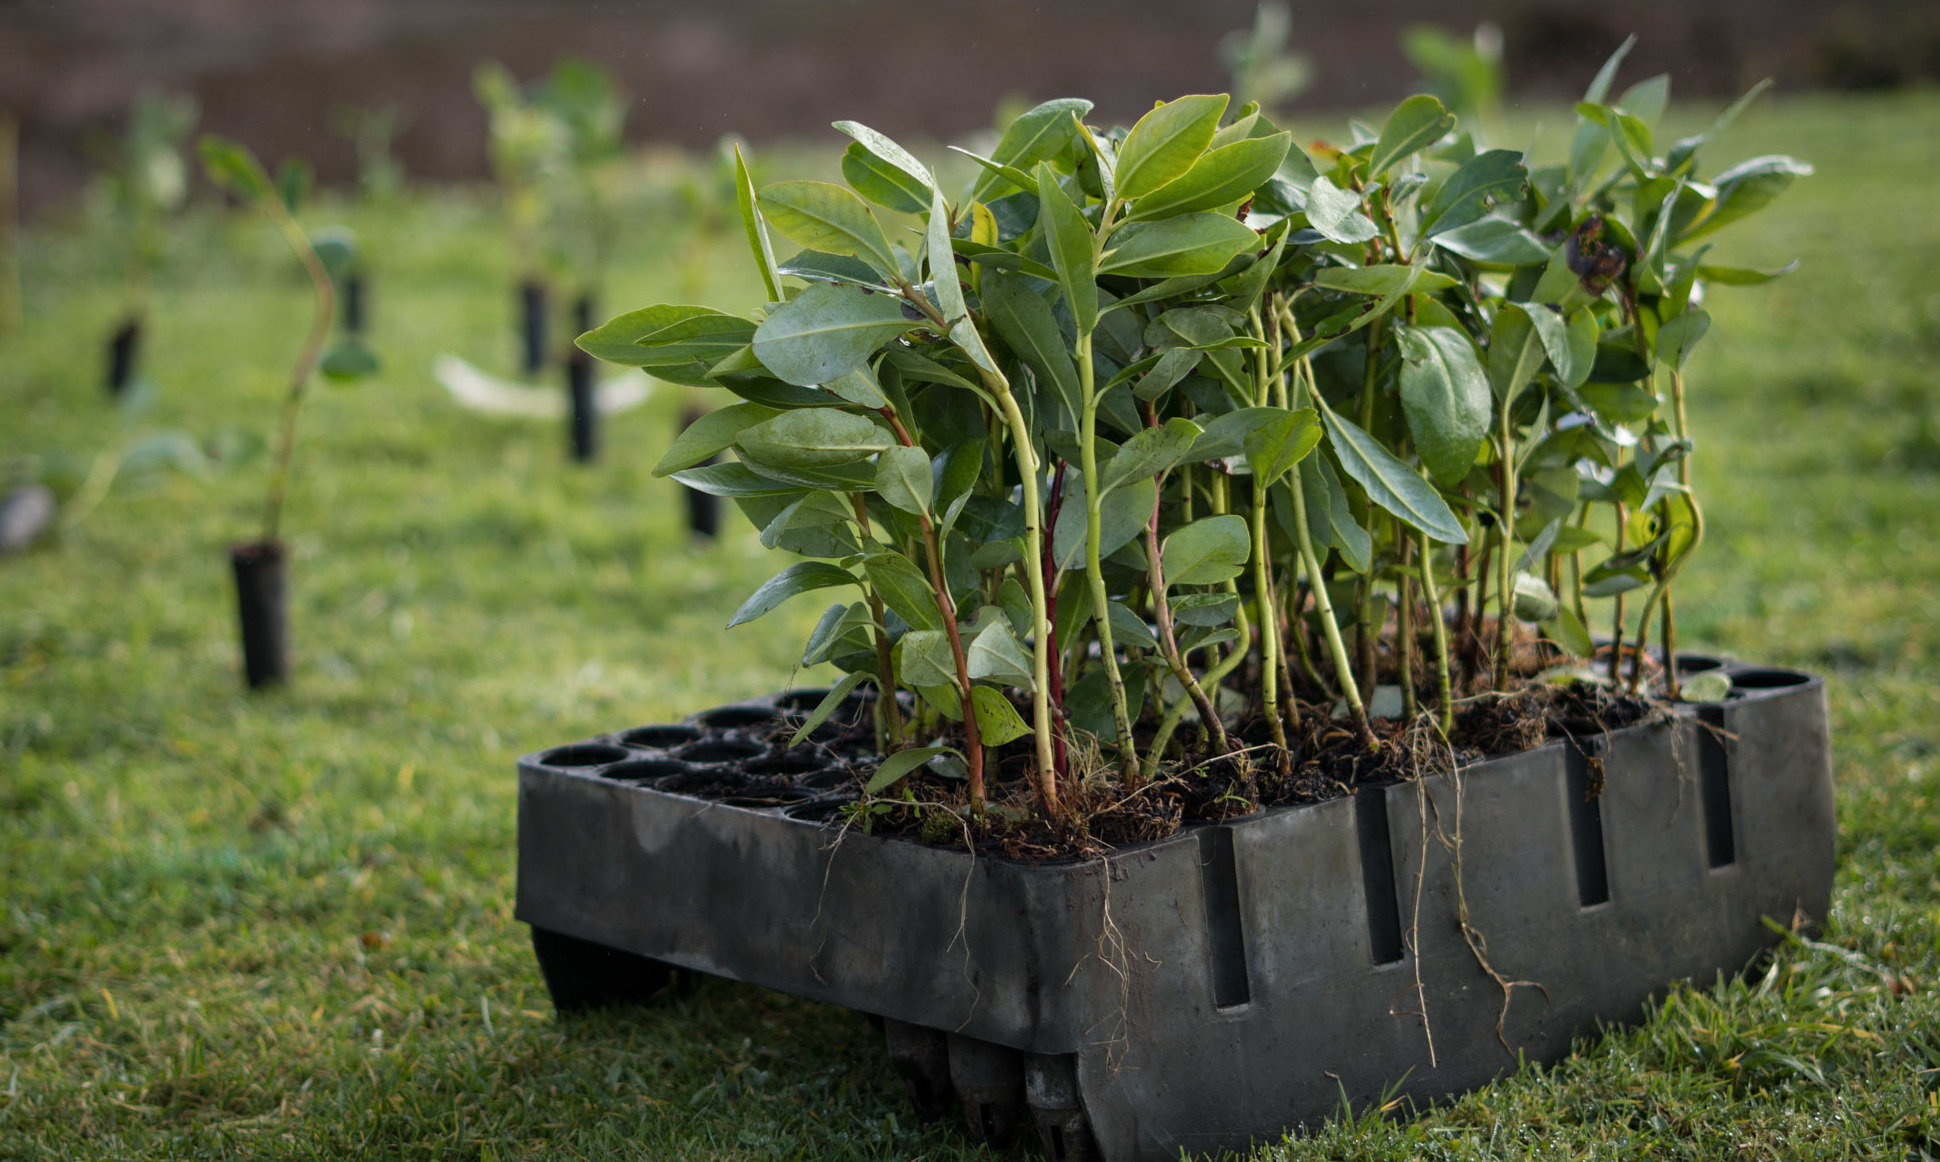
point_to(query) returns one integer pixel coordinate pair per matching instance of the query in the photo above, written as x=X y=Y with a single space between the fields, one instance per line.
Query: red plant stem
x=1059 y=763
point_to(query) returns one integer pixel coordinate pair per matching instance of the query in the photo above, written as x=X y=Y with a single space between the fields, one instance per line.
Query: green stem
x=889 y=716
x=1343 y=669
x=1094 y=568
x=1505 y=534
x=1446 y=709
x=306 y=361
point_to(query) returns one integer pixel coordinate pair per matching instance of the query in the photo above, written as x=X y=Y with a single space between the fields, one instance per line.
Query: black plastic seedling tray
x=1211 y=989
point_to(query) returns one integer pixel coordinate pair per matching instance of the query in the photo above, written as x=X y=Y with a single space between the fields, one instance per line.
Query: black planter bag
x=263 y=608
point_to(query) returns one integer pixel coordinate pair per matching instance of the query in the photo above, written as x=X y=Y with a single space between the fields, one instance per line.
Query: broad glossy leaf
x=1496 y=241
x=1534 y=600
x=1122 y=517
x=903 y=479
x=1553 y=332
x=827 y=217
x=949 y=291
x=1743 y=275
x=1330 y=519
x=1150 y=452
x=881 y=147
x=1175 y=247
x=1167 y=371
x=827 y=331
x=710 y=434
x=1007 y=174
x=1073 y=251
x=1607 y=75
x=1646 y=99
x=1582 y=348
x=859 y=387
x=1416 y=123
x=801 y=577
x=1474 y=190
x=677 y=343
x=347 y=361
x=814 y=438
x=900 y=765
x=757 y=230
x=1282 y=442
x=995 y=655
x=1027 y=324
x=773 y=393
x=1037 y=135
x=1336 y=213
x=882 y=183
x=1208 y=551
x=1445 y=396
x=817 y=525
x=233 y=167
x=815 y=266
x=736 y=481
x=1219 y=178
x=997 y=720
x=1745 y=189
x=1207 y=610
x=1390 y=483
x=1164 y=143
x=1382 y=280
x=1676 y=338
x=904 y=589
x=1515 y=350
x=1225 y=435
x=923 y=658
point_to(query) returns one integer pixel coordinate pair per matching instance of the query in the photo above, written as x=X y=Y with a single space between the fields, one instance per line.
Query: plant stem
x=1616 y=631
x=1343 y=669
x=1366 y=634
x=889 y=716
x=1047 y=579
x=306 y=362
x=1169 y=646
x=1505 y=564
x=1094 y=568
x=1671 y=686
x=1263 y=566
x=972 y=732
x=1404 y=630
x=1042 y=726
x=1446 y=709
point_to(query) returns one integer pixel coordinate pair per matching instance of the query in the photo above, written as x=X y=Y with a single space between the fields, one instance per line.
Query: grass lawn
x=281 y=925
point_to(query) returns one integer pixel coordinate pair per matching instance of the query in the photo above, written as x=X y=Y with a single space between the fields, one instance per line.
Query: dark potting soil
x=742 y=756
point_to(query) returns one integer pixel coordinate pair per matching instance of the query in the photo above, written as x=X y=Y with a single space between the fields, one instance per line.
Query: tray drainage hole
x=1377 y=875
x=738 y=717
x=722 y=750
x=1057 y=1142
x=788 y=765
x=816 y=810
x=589 y=754
x=1768 y=679
x=642 y=770
x=660 y=737
x=1697 y=663
x=801 y=700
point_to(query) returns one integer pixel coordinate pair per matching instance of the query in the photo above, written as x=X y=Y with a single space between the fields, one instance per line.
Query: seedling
x=1186 y=422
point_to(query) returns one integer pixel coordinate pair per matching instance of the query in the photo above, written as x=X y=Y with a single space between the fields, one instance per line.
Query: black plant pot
x=354 y=304
x=124 y=349
x=532 y=325
x=1213 y=988
x=703 y=508
x=583 y=410
x=262 y=604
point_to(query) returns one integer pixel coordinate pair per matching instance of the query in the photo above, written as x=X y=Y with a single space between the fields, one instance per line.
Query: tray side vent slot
x=1714 y=783
x=1585 y=777
x=1225 y=936
x=1377 y=875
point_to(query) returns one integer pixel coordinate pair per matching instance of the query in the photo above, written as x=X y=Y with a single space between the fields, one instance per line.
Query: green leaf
x=1208 y=551
x=1273 y=449
x=1225 y=435
x=1038 y=135
x=1336 y=213
x=826 y=217
x=1328 y=510
x=995 y=655
x=1009 y=174
x=903 y=479
x=712 y=433
x=997 y=720
x=1607 y=75
x=882 y=183
x=1068 y=237
x=1149 y=452
x=813 y=438
x=1028 y=326
x=1219 y=178
x=1206 y=610
x=900 y=765
x=1742 y=275
x=1582 y=348
x=1122 y=516
x=1676 y=338
x=817 y=525
x=815 y=266
x=1445 y=396
x=1515 y=350
x=834 y=698
x=232 y=166
x=923 y=658
x=1646 y=99
x=826 y=332
x=949 y=291
x=1567 y=630
x=1710 y=686
x=1128 y=629
x=1496 y=241
x=859 y=387
x=903 y=588
x=1390 y=483
x=1745 y=189
x=676 y=343
x=798 y=578
x=1553 y=331
x=1176 y=247
x=757 y=230
x=1474 y=190
x=895 y=156
x=1382 y=280
x=735 y=481
x=1165 y=143
x=1415 y=124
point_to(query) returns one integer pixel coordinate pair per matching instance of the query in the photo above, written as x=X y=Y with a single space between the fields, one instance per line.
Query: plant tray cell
x=1209 y=990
